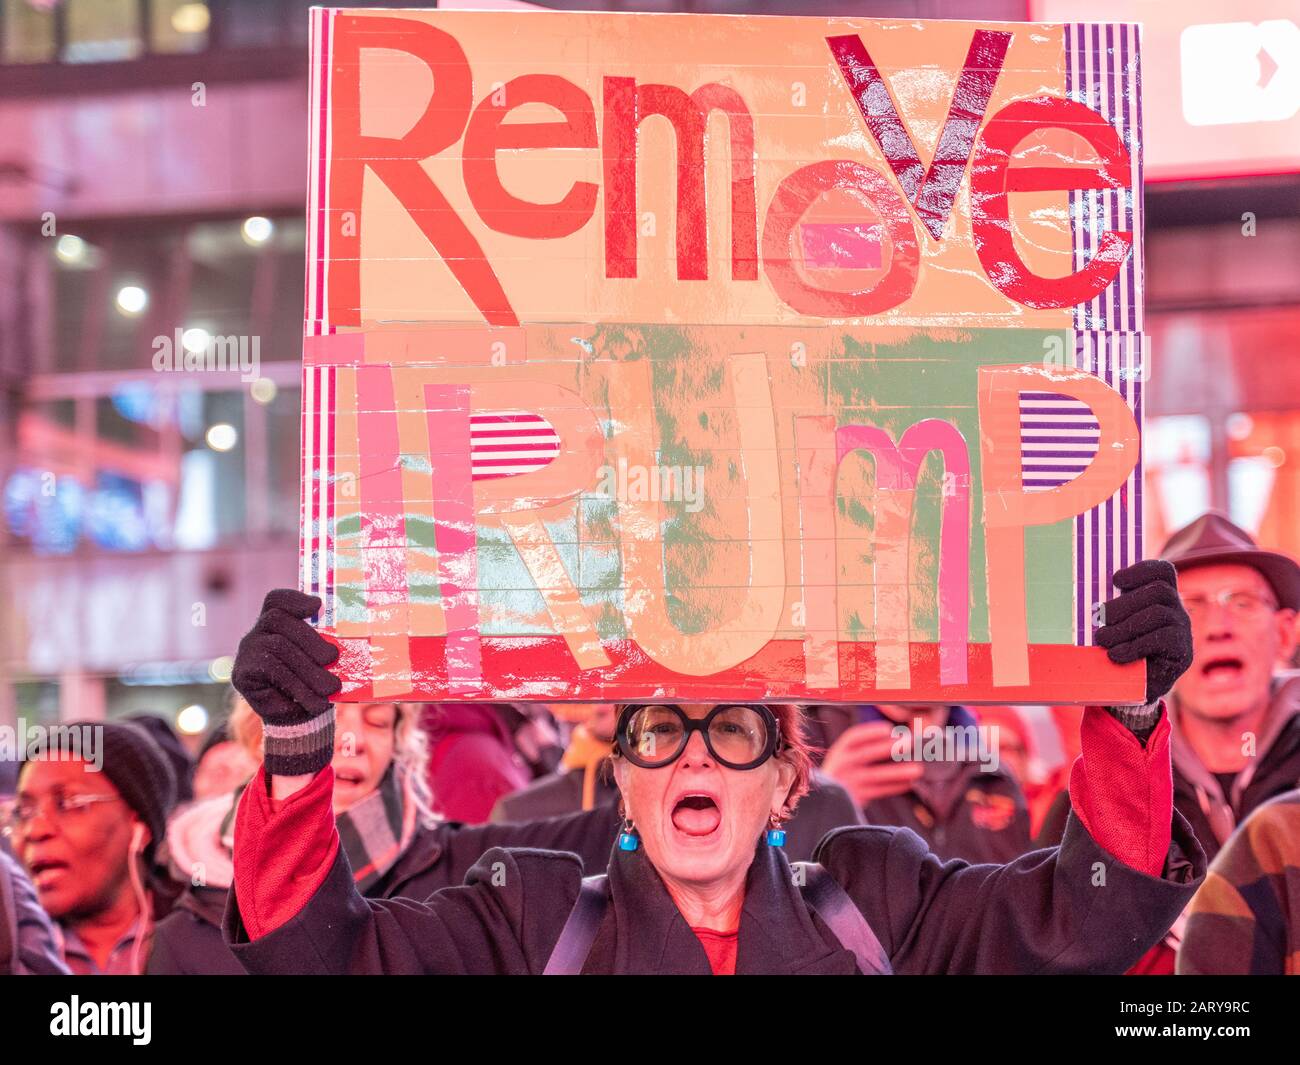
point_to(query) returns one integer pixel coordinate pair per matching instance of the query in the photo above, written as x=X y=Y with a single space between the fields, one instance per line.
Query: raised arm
x=1127 y=864
x=283 y=916
x=293 y=902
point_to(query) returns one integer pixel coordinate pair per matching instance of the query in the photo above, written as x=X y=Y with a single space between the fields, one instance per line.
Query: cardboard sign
x=718 y=357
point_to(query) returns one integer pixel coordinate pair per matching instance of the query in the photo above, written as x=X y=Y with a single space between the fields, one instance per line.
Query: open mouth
x=45 y=871
x=1224 y=670
x=697 y=815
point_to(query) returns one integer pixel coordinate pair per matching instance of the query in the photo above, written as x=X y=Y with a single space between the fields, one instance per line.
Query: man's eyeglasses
x=737 y=736
x=18 y=814
x=1237 y=604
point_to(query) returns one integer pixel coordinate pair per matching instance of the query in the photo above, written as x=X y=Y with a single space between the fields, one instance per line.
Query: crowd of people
x=305 y=835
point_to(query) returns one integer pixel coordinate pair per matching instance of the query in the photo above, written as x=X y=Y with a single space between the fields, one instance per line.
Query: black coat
x=986 y=818
x=1069 y=909
x=189 y=941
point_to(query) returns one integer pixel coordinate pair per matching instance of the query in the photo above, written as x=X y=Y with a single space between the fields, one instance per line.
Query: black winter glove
x=279 y=669
x=1147 y=621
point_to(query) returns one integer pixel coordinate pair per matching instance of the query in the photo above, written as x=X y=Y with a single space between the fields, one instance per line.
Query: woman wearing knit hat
x=698 y=881
x=87 y=834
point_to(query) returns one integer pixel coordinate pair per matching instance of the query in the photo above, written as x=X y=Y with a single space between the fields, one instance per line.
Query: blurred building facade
x=153 y=162
x=152 y=175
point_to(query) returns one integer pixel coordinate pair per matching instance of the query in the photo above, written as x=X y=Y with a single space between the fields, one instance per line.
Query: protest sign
x=698 y=357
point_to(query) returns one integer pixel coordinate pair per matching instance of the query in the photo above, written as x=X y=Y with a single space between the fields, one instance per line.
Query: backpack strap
x=579 y=933
x=819 y=889
x=832 y=904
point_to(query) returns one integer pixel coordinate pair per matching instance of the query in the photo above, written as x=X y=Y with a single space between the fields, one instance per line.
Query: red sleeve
x=283 y=850
x=1124 y=792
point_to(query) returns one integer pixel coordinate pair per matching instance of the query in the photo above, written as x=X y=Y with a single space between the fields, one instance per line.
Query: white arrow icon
x=1237 y=72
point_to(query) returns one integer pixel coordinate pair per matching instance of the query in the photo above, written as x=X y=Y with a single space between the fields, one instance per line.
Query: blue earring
x=776 y=834
x=628 y=839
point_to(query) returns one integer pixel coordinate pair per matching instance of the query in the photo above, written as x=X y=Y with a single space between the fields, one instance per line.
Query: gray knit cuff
x=300 y=749
x=1139 y=720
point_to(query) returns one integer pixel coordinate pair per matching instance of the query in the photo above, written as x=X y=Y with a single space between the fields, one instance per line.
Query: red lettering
x=993 y=177
x=626 y=105
x=396 y=162
x=869 y=187
x=487 y=134
x=930 y=190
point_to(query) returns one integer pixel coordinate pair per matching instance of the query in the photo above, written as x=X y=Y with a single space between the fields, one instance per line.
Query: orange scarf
x=585 y=752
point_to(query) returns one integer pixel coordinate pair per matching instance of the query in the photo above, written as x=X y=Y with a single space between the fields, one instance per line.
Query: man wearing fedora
x=1235 y=712
x=1236 y=716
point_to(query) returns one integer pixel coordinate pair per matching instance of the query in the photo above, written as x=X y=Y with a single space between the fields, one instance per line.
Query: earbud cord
x=142 y=900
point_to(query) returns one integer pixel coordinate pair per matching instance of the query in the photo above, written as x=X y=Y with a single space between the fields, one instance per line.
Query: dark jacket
x=1275 y=770
x=979 y=814
x=826 y=806
x=189 y=940
x=28 y=943
x=1043 y=913
x=1198 y=795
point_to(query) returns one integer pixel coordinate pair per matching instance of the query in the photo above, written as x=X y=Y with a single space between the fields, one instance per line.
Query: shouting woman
x=698 y=881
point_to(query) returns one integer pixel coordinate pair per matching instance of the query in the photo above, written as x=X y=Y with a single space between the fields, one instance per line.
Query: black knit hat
x=137 y=767
x=170 y=744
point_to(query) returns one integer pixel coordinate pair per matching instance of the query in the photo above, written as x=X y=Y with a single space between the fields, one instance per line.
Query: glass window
x=134 y=481
x=224 y=273
x=140 y=692
x=1264 y=476
x=37 y=700
x=1176 y=464
x=254 y=23
x=29 y=32
x=223 y=416
x=151 y=467
x=128 y=290
x=159 y=461
x=128 y=301
x=42 y=494
x=178 y=26
x=283 y=450
x=102 y=31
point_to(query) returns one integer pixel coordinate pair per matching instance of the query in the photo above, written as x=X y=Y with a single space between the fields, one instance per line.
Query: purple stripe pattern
x=1058 y=439
x=1109 y=536
x=1102 y=71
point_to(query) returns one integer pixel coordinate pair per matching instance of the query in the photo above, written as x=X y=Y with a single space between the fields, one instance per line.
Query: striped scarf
x=374 y=833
